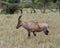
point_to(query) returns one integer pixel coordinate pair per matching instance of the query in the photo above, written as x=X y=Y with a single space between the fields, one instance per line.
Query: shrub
x=10 y=7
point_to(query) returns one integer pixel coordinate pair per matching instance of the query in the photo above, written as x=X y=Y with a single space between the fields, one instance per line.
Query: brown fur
x=32 y=26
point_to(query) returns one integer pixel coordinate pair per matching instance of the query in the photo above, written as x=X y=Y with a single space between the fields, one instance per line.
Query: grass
x=10 y=37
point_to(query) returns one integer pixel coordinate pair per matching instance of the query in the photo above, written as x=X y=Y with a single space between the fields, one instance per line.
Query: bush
x=10 y=8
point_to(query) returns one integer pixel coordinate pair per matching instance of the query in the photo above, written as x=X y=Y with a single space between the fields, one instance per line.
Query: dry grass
x=10 y=37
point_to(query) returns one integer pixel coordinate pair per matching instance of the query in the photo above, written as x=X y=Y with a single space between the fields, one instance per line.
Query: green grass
x=10 y=37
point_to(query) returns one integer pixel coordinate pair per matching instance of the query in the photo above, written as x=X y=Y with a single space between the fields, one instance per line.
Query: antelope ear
x=19 y=17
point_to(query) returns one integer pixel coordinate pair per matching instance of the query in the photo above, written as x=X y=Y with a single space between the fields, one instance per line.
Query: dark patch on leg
x=28 y=33
x=34 y=34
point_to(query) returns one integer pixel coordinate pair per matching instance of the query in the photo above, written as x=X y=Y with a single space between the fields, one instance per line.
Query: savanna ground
x=10 y=37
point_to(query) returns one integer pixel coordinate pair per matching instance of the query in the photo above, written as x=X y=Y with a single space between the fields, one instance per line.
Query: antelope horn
x=19 y=17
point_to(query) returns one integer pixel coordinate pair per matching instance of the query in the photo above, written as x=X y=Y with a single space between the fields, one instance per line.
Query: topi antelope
x=32 y=26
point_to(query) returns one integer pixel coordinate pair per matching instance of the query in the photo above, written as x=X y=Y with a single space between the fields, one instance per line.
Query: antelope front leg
x=34 y=34
x=28 y=33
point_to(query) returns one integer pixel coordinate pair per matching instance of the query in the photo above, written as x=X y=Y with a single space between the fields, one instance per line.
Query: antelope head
x=19 y=22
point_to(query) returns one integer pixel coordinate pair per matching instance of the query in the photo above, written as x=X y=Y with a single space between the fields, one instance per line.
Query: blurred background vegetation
x=11 y=6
